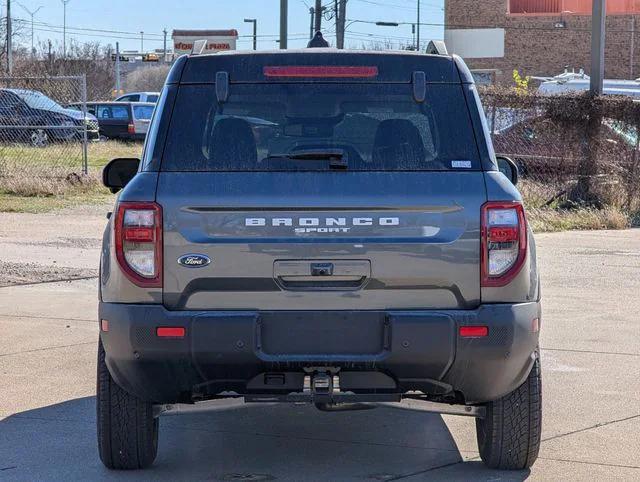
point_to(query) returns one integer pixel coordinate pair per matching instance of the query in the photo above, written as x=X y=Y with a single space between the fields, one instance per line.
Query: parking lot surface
x=48 y=332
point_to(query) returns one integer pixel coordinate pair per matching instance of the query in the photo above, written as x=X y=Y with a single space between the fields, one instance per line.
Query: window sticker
x=461 y=164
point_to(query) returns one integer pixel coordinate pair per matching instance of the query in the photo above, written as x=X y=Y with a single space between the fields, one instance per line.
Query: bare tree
x=147 y=79
x=17 y=34
x=91 y=59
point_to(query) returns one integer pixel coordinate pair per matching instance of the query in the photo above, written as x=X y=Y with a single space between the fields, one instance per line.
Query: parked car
x=366 y=246
x=30 y=116
x=548 y=151
x=127 y=121
x=139 y=97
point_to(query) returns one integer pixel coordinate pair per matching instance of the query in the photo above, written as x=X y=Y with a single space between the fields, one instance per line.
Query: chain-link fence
x=572 y=150
x=44 y=128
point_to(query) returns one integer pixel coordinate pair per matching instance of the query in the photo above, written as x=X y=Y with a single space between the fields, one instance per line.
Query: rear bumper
x=375 y=352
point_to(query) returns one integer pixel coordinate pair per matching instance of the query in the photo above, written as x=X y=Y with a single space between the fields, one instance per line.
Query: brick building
x=540 y=37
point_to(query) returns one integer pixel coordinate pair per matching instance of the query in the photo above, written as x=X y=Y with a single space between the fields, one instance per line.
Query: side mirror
x=117 y=174
x=509 y=168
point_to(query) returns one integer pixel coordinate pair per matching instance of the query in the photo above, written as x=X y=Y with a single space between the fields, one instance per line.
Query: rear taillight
x=138 y=240
x=504 y=242
x=131 y=128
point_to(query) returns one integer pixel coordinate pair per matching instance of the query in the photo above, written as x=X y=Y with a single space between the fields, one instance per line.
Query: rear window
x=144 y=112
x=370 y=127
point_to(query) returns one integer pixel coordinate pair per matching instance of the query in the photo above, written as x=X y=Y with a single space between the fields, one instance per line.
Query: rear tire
x=127 y=430
x=509 y=435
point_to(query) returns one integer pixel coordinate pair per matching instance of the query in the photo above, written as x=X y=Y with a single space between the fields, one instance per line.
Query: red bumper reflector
x=321 y=71
x=104 y=325
x=170 y=332
x=474 y=331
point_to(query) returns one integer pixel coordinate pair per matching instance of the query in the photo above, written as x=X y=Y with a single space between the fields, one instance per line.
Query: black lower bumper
x=260 y=353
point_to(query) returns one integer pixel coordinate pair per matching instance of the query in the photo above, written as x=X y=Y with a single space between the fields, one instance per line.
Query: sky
x=123 y=20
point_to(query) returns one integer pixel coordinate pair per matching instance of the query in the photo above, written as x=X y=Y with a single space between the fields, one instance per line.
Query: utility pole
x=164 y=46
x=341 y=22
x=597 y=45
x=64 y=28
x=117 y=69
x=336 y=16
x=318 y=26
x=255 y=31
x=413 y=35
x=418 y=29
x=312 y=12
x=284 y=23
x=141 y=42
x=31 y=13
x=9 y=38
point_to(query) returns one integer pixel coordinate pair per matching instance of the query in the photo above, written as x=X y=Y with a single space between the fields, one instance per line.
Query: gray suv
x=320 y=226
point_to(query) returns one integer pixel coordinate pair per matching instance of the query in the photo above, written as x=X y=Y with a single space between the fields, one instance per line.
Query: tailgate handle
x=322 y=275
x=322 y=269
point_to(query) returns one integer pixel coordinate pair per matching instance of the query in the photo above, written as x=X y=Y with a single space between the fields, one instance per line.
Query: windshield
x=371 y=127
x=37 y=100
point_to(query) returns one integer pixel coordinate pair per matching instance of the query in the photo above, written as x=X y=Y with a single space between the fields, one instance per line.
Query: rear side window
x=371 y=127
x=130 y=98
x=143 y=112
x=152 y=98
x=118 y=112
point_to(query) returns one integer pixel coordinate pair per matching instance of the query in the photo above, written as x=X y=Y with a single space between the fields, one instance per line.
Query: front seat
x=397 y=141
x=232 y=144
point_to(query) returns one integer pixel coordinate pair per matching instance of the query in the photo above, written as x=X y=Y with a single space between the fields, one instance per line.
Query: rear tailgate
x=322 y=240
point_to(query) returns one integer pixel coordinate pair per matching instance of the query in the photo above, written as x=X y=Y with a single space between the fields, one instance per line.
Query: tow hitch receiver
x=322 y=387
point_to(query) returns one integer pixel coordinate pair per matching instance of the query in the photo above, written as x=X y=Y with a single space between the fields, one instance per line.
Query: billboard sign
x=216 y=40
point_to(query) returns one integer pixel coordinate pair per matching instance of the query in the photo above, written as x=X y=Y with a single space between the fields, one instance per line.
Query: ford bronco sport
x=320 y=226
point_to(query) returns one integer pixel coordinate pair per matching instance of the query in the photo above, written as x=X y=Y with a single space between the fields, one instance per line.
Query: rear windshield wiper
x=337 y=157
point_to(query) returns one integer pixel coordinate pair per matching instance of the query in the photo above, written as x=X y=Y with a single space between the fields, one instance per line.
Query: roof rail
x=437 y=47
x=198 y=47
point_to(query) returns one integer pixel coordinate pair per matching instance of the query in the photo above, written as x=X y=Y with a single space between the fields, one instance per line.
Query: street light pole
x=32 y=14
x=597 y=45
x=9 y=38
x=254 y=21
x=64 y=28
x=418 y=28
x=117 y=69
x=164 y=46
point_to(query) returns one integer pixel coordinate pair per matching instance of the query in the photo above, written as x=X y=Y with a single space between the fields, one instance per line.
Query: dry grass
x=30 y=191
x=551 y=220
x=100 y=153
x=34 y=195
x=544 y=202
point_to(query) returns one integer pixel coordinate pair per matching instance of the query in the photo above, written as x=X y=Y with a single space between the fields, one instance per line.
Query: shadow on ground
x=247 y=442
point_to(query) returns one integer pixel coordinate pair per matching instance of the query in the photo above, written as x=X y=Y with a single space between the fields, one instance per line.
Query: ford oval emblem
x=194 y=260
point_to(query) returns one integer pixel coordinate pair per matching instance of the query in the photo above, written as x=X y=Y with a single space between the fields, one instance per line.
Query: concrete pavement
x=591 y=389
